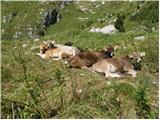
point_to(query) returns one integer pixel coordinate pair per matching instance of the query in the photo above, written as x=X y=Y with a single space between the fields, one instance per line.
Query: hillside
x=36 y=88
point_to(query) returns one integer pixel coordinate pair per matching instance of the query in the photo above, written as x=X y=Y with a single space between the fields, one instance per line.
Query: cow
x=85 y=59
x=115 y=67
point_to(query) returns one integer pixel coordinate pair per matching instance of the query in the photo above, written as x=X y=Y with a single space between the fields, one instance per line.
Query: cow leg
x=92 y=70
x=41 y=55
x=133 y=73
x=60 y=56
x=115 y=75
x=56 y=59
x=107 y=74
x=85 y=68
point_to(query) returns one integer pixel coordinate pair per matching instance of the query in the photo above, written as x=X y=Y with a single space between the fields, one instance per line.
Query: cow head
x=45 y=46
x=50 y=44
x=136 y=56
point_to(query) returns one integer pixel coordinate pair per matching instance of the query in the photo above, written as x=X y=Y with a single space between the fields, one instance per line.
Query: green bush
x=119 y=24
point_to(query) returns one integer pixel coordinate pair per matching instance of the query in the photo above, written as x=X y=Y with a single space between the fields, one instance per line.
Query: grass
x=36 y=88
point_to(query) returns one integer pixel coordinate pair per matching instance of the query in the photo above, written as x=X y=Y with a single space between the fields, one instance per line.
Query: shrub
x=119 y=24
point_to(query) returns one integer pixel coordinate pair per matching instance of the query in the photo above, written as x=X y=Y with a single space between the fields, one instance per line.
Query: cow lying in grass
x=56 y=51
x=86 y=59
x=69 y=50
x=114 y=67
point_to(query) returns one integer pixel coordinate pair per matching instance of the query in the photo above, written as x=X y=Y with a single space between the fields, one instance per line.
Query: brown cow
x=114 y=67
x=86 y=59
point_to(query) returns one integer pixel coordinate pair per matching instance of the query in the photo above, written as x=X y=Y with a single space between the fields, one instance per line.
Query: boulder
x=139 y=38
x=50 y=18
x=109 y=29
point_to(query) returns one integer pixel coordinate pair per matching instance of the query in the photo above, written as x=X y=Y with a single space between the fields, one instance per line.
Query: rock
x=103 y=2
x=59 y=17
x=109 y=29
x=84 y=9
x=30 y=34
x=9 y=17
x=82 y=74
x=41 y=32
x=82 y=19
x=93 y=29
x=79 y=91
x=34 y=47
x=13 y=14
x=3 y=30
x=63 y=4
x=97 y=6
x=18 y=33
x=77 y=1
x=50 y=18
x=92 y=12
x=109 y=82
x=35 y=40
x=24 y=45
x=4 y=19
x=139 y=38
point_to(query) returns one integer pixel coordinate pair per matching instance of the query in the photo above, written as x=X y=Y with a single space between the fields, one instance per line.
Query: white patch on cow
x=41 y=55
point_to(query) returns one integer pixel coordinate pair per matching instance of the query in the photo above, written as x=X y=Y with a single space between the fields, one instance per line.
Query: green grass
x=36 y=88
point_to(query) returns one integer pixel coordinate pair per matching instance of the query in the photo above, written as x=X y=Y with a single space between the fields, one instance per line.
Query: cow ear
x=142 y=53
x=105 y=48
x=116 y=47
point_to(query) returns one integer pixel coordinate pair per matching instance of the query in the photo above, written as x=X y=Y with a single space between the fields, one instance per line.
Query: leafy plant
x=143 y=104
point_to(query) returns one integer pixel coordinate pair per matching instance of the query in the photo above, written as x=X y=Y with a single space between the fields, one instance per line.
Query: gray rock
x=50 y=18
x=109 y=29
x=139 y=38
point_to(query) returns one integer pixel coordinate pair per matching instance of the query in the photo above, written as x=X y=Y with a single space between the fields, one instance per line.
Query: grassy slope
x=65 y=93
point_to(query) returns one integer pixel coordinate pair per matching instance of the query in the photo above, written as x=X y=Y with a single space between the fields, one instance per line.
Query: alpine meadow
x=33 y=87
